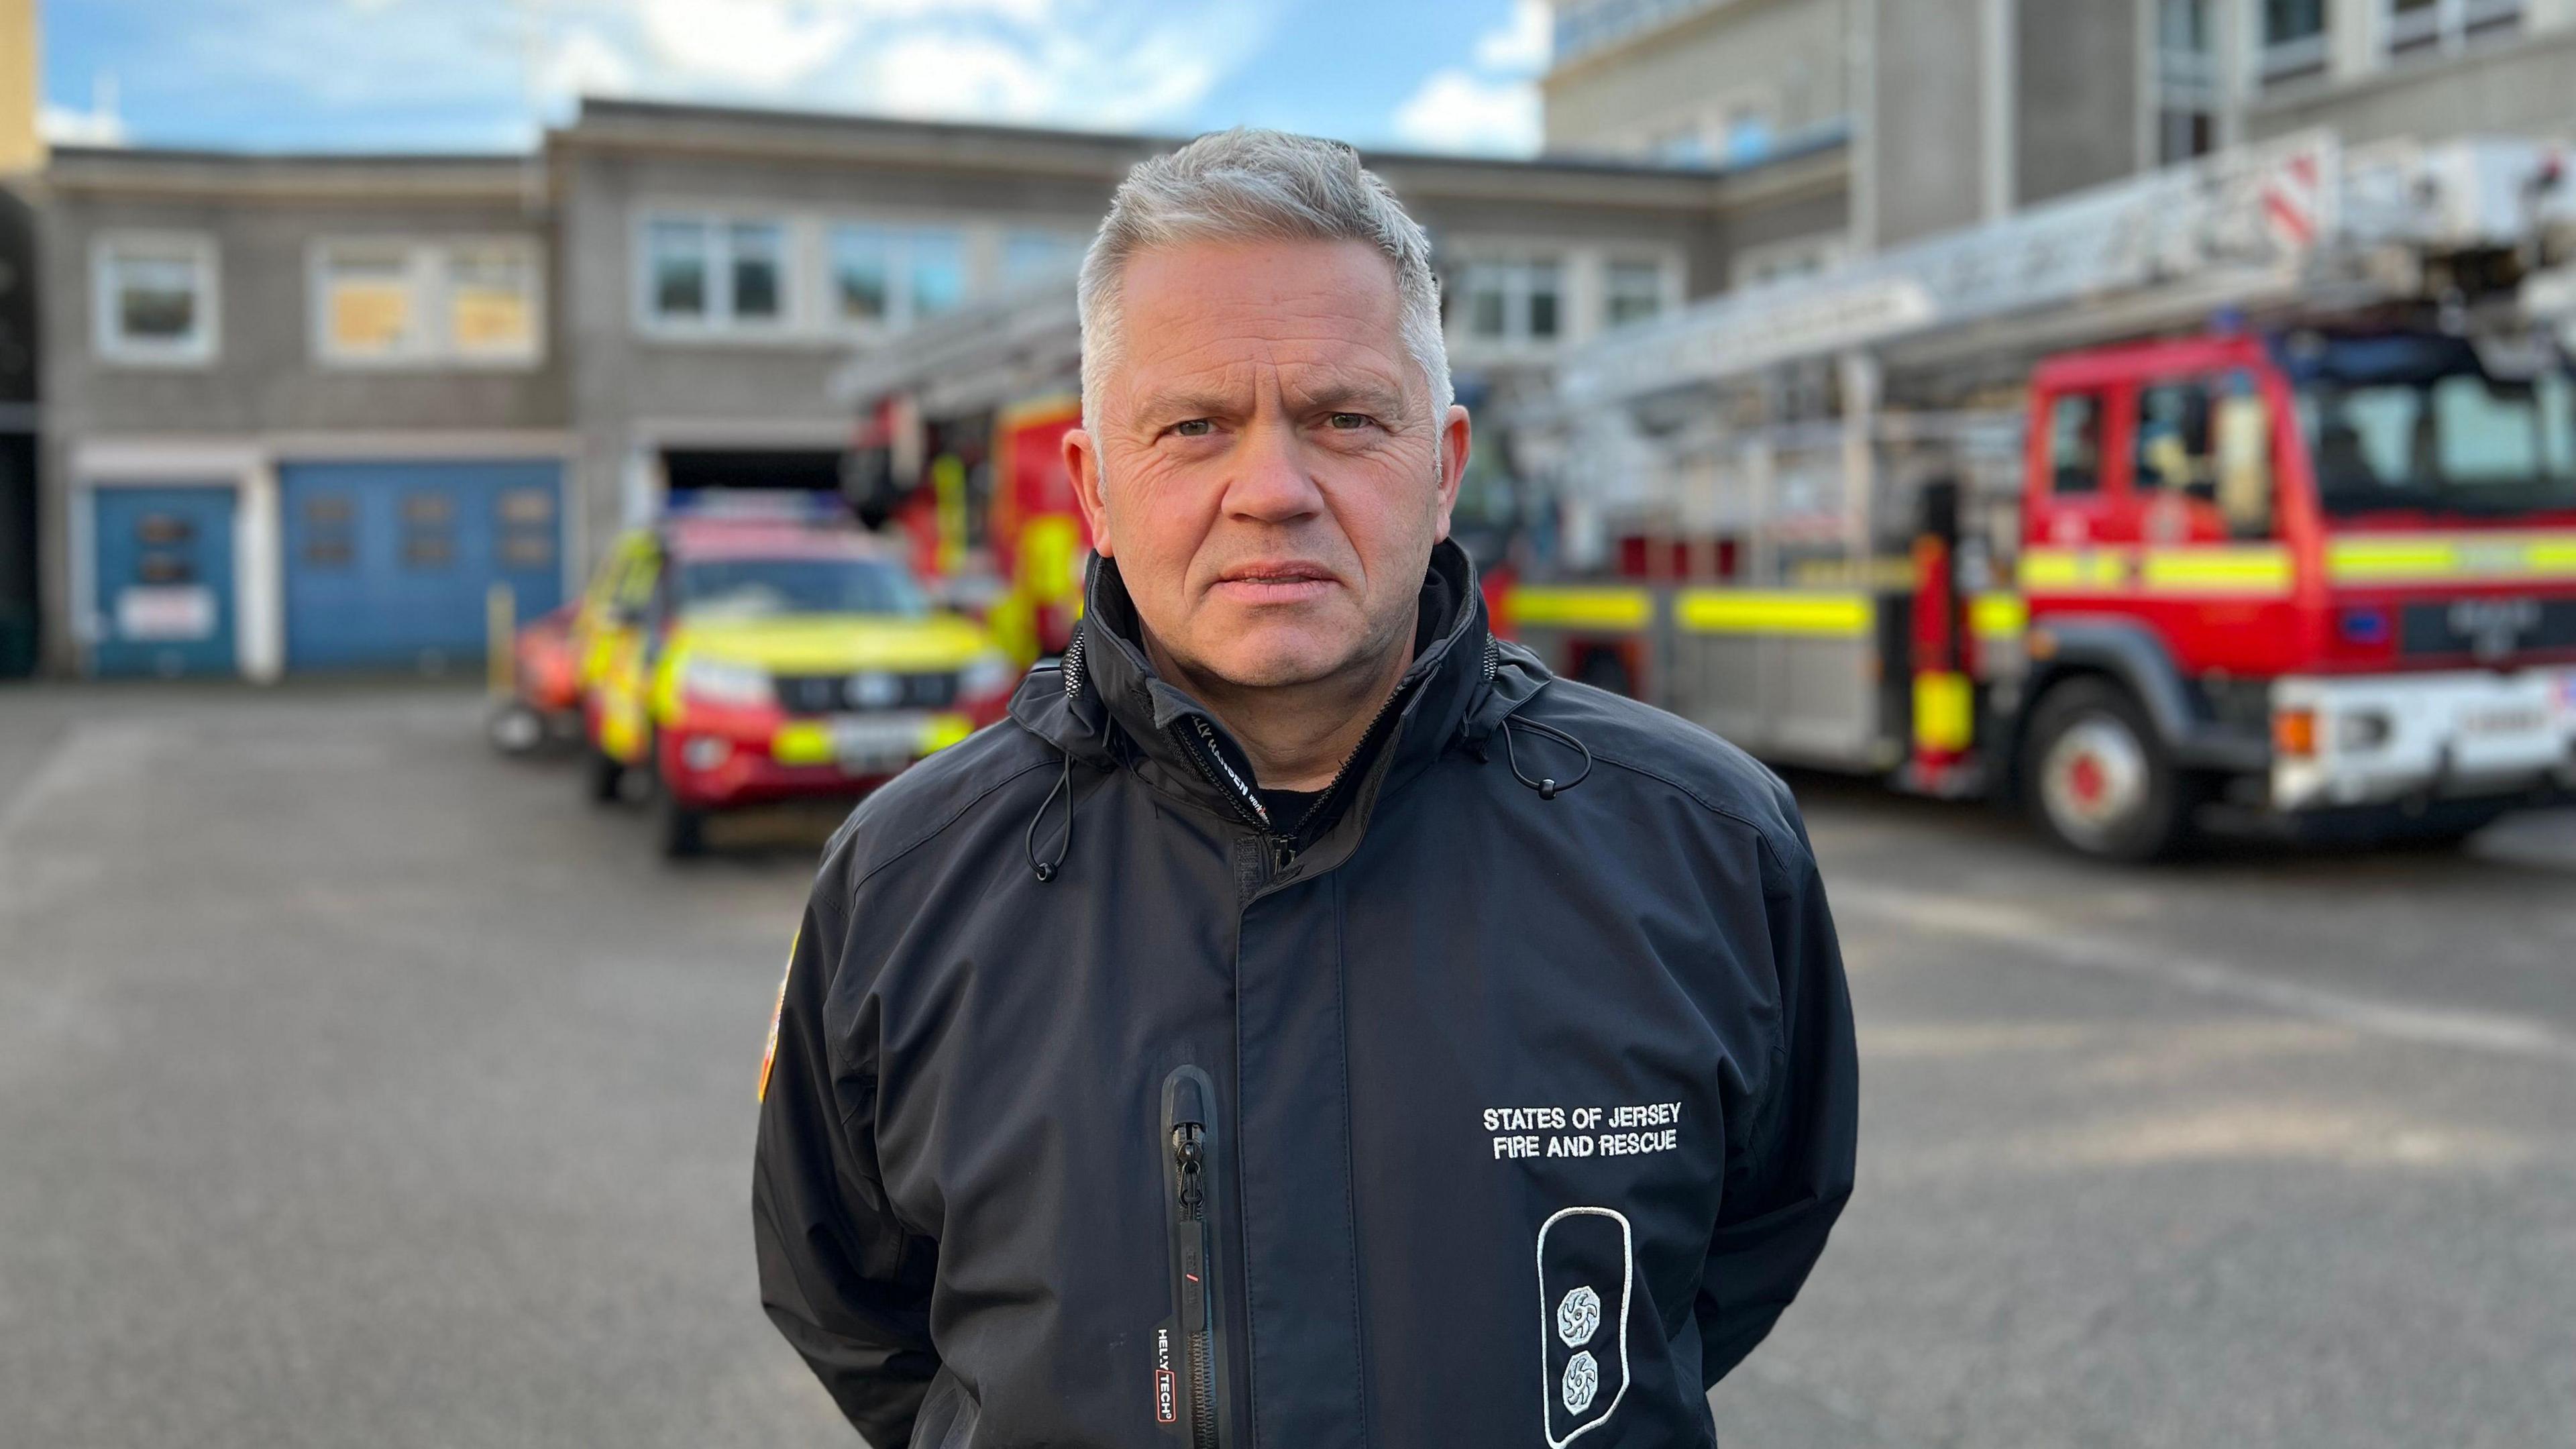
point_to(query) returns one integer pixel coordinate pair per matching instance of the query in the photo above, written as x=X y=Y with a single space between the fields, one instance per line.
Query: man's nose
x=1272 y=481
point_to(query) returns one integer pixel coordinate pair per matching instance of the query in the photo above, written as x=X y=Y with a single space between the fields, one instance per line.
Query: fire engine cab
x=2240 y=493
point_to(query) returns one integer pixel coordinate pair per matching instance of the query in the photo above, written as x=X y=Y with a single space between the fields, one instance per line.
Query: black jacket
x=1507 y=1097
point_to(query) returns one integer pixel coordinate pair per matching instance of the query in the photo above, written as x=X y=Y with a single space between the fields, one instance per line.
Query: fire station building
x=305 y=412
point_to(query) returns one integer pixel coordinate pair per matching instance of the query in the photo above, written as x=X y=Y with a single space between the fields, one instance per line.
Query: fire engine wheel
x=2097 y=777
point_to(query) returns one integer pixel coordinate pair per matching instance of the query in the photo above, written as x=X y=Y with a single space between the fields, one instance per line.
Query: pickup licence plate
x=878 y=742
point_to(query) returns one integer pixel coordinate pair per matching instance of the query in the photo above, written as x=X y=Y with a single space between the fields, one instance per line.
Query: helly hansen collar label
x=1619 y=1131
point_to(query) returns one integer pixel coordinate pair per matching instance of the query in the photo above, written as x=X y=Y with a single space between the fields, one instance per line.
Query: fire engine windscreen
x=759 y=588
x=2422 y=422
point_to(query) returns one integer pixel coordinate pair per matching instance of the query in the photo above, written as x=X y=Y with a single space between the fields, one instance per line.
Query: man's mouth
x=1274 y=582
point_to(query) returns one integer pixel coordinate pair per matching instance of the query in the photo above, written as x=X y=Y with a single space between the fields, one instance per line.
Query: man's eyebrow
x=1181 y=403
x=1353 y=396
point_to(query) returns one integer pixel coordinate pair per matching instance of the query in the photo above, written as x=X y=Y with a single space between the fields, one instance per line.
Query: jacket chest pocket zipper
x=1190 y=1141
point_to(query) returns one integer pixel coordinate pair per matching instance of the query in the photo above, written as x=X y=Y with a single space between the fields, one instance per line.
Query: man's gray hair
x=1255 y=185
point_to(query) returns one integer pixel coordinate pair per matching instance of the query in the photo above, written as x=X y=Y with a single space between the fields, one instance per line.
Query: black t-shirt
x=1288 y=807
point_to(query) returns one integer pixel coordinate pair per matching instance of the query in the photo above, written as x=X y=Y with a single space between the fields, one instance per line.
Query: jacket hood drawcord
x=1547 y=786
x=1047 y=870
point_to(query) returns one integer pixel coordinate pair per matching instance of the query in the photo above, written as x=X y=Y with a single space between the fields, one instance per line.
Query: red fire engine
x=2008 y=513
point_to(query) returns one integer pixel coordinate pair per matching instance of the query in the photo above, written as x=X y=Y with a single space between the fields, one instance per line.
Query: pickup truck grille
x=842 y=693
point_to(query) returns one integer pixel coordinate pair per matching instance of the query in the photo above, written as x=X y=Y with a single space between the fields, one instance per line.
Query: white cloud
x=582 y=62
x=1522 y=44
x=762 y=43
x=1492 y=107
x=64 y=126
x=1456 y=110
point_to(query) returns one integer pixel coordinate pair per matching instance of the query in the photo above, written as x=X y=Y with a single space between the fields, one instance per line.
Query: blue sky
x=1447 y=75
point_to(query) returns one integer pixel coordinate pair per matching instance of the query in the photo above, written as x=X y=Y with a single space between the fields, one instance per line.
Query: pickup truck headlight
x=990 y=672
x=722 y=681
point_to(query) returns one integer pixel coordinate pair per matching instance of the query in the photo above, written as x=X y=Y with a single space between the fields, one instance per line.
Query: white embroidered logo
x=1582 y=1380
x=1579 y=1317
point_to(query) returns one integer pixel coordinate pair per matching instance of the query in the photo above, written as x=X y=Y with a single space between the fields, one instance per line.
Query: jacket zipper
x=1210 y=760
x=1189 y=1132
x=1203 y=752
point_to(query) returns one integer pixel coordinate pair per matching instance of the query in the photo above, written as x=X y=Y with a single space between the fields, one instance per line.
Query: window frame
x=429 y=279
x=2447 y=27
x=2299 y=58
x=720 y=320
x=204 y=343
x=901 y=237
x=1668 y=290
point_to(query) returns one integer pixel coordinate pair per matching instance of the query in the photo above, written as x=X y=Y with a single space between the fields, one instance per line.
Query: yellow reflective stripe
x=1581 y=608
x=1944 y=711
x=800 y=743
x=2432 y=557
x=1997 y=614
x=2253 y=568
x=809 y=742
x=2073 y=570
x=1732 y=611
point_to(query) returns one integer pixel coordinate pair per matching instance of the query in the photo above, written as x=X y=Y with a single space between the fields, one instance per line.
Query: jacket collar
x=1108 y=707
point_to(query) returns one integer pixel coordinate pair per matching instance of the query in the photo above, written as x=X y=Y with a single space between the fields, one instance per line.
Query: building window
x=1511 y=299
x=1032 y=256
x=756 y=256
x=886 y=276
x=702 y=273
x=1781 y=261
x=2294 y=39
x=491 y=301
x=1632 y=292
x=676 y=270
x=155 y=299
x=2187 y=90
x=410 y=304
x=2424 y=27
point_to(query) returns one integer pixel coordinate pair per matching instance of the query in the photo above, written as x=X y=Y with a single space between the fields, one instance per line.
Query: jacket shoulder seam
x=934 y=832
x=1761 y=832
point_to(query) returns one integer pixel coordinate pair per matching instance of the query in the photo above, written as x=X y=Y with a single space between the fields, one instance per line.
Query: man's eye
x=1194 y=428
x=1347 y=421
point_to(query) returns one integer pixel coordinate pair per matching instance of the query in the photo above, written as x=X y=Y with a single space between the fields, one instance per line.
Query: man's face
x=1262 y=462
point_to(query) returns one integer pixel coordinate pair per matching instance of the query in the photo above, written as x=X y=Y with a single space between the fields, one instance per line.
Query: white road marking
x=2070 y=946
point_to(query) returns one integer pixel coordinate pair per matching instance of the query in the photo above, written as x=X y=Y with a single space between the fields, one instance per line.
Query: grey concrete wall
x=2077 y=73
x=264 y=376
x=2524 y=85
x=1786 y=56
x=1926 y=156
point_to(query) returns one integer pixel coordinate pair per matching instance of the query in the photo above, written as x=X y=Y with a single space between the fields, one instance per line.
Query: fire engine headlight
x=722 y=681
x=990 y=672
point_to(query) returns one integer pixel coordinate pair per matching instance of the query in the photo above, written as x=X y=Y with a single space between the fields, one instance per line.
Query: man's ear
x=1455 y=439
x=1082 y=464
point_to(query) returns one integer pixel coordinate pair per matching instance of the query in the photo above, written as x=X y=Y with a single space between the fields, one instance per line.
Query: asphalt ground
x=359 y=1086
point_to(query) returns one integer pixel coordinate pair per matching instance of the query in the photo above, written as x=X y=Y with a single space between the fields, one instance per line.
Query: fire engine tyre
x=603 y=778
x=684 y=830
x=2098 y=778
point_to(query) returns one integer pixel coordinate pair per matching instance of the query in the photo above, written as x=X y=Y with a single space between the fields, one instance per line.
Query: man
x=1306 y=1023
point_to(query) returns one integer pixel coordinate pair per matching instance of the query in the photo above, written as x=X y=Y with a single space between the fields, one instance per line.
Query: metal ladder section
x=2237 y=228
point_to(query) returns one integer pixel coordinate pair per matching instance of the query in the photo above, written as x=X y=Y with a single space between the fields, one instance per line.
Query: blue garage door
x=387 y=564
x=165 y=581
